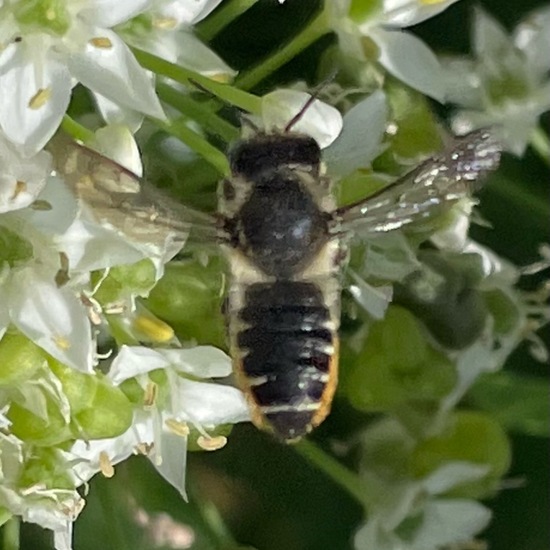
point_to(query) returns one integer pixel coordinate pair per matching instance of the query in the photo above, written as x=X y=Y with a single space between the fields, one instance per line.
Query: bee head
x=271 y=151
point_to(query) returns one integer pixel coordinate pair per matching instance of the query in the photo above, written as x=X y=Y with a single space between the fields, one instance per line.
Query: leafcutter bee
x=286 y=243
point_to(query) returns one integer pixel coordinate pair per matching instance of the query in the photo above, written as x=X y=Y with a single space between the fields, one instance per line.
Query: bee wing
x=116 y=197
x=434 y=184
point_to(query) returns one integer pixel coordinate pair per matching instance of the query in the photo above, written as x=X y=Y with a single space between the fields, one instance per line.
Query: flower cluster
x=506 y=83
x=110 y=348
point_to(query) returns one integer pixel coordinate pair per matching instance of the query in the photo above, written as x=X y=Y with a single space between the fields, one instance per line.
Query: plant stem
x=229 y=94
x=540 y=142
x=10 y=537
x=197 y=143
x=345 y=478
x=228 y=12
x=76 y=130
x=197 y=111
x=317 y=28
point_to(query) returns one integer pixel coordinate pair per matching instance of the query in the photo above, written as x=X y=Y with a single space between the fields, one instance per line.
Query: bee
x=286 y=243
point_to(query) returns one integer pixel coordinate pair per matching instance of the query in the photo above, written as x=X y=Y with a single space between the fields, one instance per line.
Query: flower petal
x=197 y=56
x=203 y=361
x=107 y=66
x=63 y=211
x=90 y=246
x=34 y=95
x=86 y=455
x=63 y=536
x=451 y=474
x=404 y=13
x=21 y=179
x=51 y=317
x=360 y=140
x=532 y=36
x=462 y=82
x=490 y=39
x=132 y=361
x=455 y=234
x=208 y=404
x=114 y=114
x=374 y=300
x=407 y=58
x=188 y=13
x=108 y=13
x=174 y=460
x=449 y=521
x=117 y=142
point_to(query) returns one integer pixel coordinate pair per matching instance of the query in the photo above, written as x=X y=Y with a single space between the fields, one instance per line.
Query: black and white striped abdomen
x=286 y=344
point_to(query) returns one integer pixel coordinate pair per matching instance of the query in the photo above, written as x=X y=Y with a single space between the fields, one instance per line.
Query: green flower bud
x=504 y=310
x=442 y=295
x=79 y=388
x=189 y=298
x=363 y=10
x=49 y=431
x=20 y=359
x=397 y=365
x=124 y=280
x=109 y=414
x=51 y=15
x=133 y=391
x=47 y=467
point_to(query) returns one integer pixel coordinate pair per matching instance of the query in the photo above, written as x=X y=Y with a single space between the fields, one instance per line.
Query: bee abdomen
x=288 y=355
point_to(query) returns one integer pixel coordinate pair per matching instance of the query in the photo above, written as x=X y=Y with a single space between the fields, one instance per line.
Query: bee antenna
x=296 y=118
x=311 y=99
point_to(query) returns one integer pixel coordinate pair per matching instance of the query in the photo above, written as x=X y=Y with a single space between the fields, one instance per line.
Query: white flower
x=46 y=48
x=392 y=500
x=21 y=179
x=401 y=54
x=53 y=318
x=165 y=30
x=49 y=313
x=53 y=509
x=507 y=84
x=202 y=404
